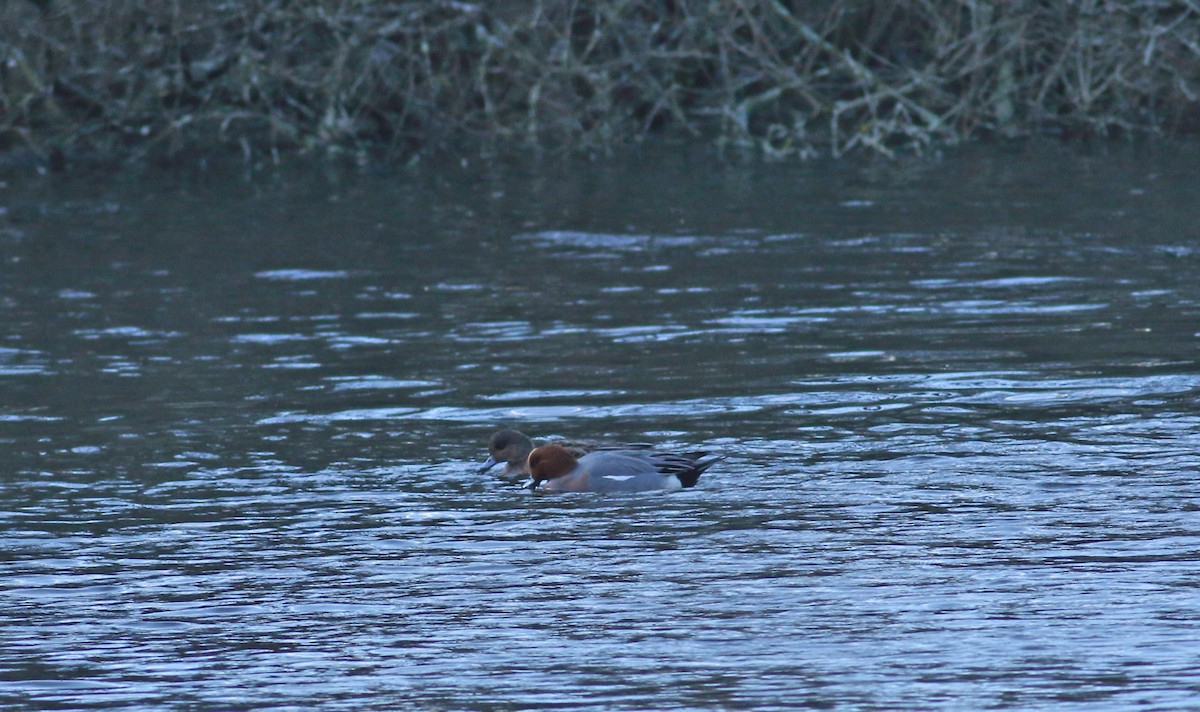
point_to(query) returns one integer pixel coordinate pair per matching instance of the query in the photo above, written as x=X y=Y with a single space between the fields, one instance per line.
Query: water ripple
x=242 y=434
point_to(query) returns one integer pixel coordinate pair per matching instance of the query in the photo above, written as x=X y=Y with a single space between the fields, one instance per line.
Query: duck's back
x=625 y=471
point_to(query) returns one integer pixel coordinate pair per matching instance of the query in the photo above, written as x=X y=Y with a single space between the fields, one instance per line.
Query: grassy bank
x=142 y=78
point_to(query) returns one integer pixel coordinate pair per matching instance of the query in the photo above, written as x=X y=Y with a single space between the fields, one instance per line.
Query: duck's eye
x=500 y=444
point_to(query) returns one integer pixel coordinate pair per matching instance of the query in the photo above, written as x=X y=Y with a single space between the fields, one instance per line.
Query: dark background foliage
x=159 y=77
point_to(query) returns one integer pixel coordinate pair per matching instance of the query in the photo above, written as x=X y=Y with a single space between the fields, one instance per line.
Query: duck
x=512 y=447
x=554 y=468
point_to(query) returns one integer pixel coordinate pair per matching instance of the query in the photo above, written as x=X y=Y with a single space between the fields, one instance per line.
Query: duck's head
x=548 y=462
x=509 y=446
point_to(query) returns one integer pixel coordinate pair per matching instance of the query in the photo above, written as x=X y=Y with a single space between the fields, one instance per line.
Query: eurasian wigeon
x=512 y=447
x=555 y=468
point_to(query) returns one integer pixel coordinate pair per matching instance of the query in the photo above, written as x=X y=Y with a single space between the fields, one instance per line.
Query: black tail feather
x=690 y=465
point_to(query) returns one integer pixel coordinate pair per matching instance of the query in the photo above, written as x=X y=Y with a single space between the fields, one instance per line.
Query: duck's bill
x=489 y=464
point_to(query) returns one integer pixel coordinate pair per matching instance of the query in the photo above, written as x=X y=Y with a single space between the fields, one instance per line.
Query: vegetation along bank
x=782 y=78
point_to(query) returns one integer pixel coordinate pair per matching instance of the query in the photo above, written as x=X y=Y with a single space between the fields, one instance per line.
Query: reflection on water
x=241 y=434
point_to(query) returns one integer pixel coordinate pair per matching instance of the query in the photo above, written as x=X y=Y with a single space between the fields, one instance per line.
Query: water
x=240 y=423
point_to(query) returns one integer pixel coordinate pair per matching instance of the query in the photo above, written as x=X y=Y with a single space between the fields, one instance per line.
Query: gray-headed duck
x=512 y=447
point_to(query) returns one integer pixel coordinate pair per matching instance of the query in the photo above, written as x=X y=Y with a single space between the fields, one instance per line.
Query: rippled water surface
x=241 y=422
